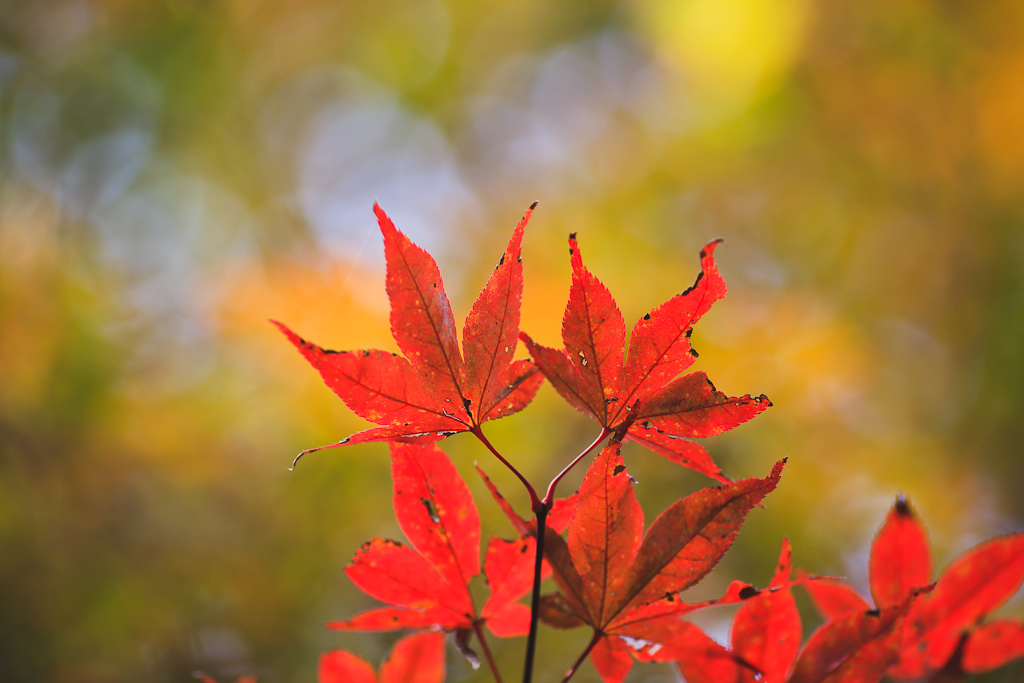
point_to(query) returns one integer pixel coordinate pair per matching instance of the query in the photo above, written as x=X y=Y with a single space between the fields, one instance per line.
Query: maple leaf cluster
x=918 y=630
x=433 y=391
x=643 y=399
x=428 y=584
x=612 y=576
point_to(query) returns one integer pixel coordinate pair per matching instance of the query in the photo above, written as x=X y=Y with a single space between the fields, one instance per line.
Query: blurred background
x=173 y=173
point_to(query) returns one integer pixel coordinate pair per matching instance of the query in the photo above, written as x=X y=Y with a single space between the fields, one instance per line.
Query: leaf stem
x=549 y=497
x=487 y=651
x=534 y=500
x=583 y=656
x=541 y=512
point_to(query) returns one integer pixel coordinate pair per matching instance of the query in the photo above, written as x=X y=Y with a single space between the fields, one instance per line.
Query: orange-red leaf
x=612 y=660
x=341 y=666
x=519 y=523
x=514 y=388
x=561 y=512
x=900 y=556
x=671 y=606
x=593 y=330
x=677 y=449
x=856 y=648
x=436 y=511
x=395 y=618
x=659 y=347
x=993 y=645
x=973 y=586
x=670 y=640
x=492 y=328
x=380 y=387
x=834 y=599
x=510 y=621
x=417 y=658
x=421 y=317
x=691 y=406
x=427 y=585
x=566 y=379
x=397 y=574
x=432 y=392
x=568 y=580
x=509 y=570
x=686 y=541
x=599 y=587
x=605 y=532
x=766 y=631
x=559 y=612
x=705 y=661
x=591 y=375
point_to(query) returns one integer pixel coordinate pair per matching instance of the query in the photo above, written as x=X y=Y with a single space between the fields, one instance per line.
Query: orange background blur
x=174 y=173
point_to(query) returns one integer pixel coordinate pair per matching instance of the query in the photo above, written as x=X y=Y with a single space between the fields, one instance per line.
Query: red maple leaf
x=433 y=391
x=418 y=658
x=427 y=584
x=857 y=647
x=644 y=397
x=623 y=583
x=765 y=637
x=947 y=620
x=766 y=634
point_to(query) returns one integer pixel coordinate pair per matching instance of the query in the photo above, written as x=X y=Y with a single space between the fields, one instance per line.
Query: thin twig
x=583 y=656
x=550 y=495
x=487 y=651
x=541 y=512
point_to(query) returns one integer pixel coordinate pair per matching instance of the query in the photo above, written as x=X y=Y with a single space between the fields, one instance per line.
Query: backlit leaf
x=901 y=557
x=436 y=511
x=835 y=598
x=659 y=347
x=856 y=648
x=417 y=658
x=973 y=586
x=427 y=584
x=766 y=631
x=612 y=660
x=421 y=317
x=686 y=541
x=605 y=532
x=642 y=394
x=340 y=666
x=431 y=392
x=491 y=331
x=593 y=331
x=993 y=645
